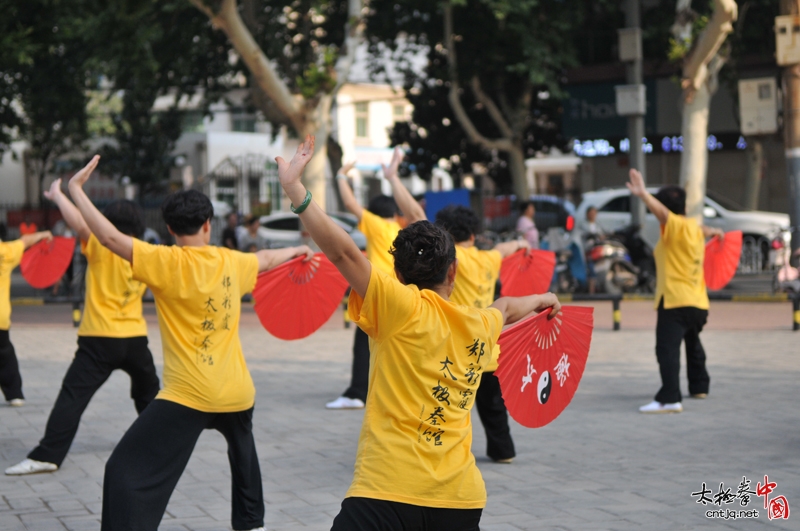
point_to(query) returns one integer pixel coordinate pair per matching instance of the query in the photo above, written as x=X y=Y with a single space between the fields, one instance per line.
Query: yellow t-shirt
x=380 y=235
x=113 y=299
x=476 y=278
x=426 y=358
x=679 y=258
x=198 y=293
x=10 y=257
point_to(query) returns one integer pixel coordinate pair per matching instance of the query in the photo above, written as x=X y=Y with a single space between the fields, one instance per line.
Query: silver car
x=759 y=228
x=282 y=229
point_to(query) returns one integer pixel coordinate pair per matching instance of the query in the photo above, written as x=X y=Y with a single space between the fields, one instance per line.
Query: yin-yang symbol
x=543 y=387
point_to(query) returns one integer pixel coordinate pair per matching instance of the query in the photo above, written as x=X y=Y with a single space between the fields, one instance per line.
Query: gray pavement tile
x=600 y=465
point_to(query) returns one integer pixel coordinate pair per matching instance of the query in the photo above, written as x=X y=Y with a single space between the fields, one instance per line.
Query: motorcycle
x=622 y=263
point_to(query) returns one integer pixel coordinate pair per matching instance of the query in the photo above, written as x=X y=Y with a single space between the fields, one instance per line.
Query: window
x=192 y=122
x=620 y=204
x=399 y=113
x=362 y=119
x=242 y=121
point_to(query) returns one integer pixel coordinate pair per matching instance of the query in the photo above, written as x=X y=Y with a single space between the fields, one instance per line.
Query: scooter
x=623 y=263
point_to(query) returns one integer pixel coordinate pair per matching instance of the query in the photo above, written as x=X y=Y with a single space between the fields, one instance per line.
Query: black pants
x=95 y=360
x=10 y=379
x=359 y=377
x=148 y=462
x=494 y=416
x=675 y=326
x=367 y=514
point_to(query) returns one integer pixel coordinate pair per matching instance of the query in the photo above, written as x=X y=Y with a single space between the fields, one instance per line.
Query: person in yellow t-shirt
x=198 y=290
x=380 y=225
x=478 y=271
x=681 y=297
x=10 y=257
x=112 y=334
x=414 y=467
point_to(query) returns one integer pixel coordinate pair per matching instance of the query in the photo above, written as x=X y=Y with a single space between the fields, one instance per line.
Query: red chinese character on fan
x=778 y=508
x=765 y=490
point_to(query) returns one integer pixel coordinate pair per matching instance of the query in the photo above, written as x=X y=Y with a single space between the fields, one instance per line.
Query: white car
x=759 y=228
x=282 y=229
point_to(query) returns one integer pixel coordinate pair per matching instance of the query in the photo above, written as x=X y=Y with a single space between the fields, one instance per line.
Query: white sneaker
x=345 y=403
x=258 y=529
x=29 y=466
x=16 y=402
x=658 y=407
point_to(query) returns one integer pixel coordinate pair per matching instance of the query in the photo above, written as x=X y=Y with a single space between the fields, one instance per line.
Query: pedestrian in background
x=526 y=226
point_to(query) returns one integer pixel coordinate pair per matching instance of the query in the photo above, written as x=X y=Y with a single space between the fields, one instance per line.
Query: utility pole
x=630 y=51
x=791 y=109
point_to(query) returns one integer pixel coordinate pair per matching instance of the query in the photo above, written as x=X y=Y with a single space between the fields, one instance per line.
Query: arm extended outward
x=337 y=245
x=516 y=308
x=29 y=240
x=269 y=258
x=105 y=232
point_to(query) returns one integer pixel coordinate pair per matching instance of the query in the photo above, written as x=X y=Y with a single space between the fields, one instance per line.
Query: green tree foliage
x=518 y=51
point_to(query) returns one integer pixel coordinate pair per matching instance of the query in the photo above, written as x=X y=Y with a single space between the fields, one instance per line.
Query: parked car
x=282 y=229
x=552 y=211
x=759 y=228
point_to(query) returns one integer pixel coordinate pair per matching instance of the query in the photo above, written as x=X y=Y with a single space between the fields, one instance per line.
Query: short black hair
x=459 y=221
x=523 y=206
x=383 y=206
x=185 y=211
x=126 y=216
x=422 y=254
x=674 y=198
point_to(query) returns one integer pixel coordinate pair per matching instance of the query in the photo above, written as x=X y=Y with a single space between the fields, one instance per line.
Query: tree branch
x=695 y=68
x=228 y=20
x=354 y=36
x=504 y=144
x=491 y=108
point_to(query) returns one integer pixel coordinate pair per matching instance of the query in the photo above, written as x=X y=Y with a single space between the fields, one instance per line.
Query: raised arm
x=29 y=240
x=337 y=245
x=269 y=258
x=637 y=188
x=516 y=308
x=105 y=232
x=410 y=208
x=346 y=193
x=71 y=214
x=509 y=248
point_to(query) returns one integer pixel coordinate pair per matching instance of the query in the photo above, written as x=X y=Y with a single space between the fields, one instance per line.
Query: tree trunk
x=519 y=179
x=694 y=160
x=755 y=167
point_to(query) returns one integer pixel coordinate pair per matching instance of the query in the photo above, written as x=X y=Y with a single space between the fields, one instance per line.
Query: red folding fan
x=296 y=298
x=722 y=259
x=46 y=262
x=541 y=363
x=527 y=273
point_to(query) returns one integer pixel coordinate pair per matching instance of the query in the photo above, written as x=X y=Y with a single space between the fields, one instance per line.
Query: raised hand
x=55 y=191
x=83 y=175
x=636 y=183
x=389 y=172
x=291 y=172
x=347 y=167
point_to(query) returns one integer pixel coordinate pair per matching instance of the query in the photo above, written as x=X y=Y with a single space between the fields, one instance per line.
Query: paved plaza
x=600 y=466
